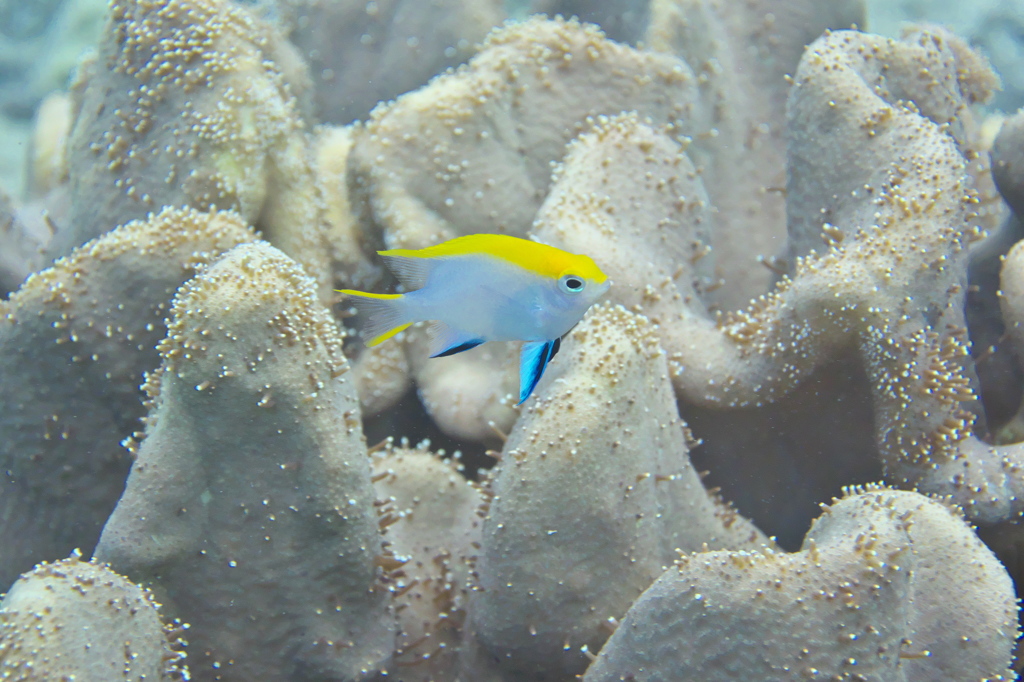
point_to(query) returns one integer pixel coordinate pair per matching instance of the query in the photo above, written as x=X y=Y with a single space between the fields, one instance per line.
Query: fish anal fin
x=446 y=340
x=381 y=338
x=533 y=358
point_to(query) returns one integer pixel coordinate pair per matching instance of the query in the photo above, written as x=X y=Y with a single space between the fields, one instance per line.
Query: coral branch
x=75 y=341
x=252 y=489
x=883 y=577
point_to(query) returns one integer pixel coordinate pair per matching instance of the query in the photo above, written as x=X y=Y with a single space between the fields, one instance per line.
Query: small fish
x=486 y=287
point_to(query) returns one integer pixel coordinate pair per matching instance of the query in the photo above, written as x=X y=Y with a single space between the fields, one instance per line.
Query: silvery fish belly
x=481 y=288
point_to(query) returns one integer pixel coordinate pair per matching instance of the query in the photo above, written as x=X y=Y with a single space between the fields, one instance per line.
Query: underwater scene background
x=787 y=445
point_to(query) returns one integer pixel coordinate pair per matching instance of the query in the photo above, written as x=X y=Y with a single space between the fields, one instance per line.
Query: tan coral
x=251 y=488
x=890 y=283
x=365 y=53
x=382 y=377
x=742 y=54
x=1008 y=162
x=875 y=84
x=75 y=341
x=382 y=372
x=349 y=247
x=471 y=151
x=48 y=162
x=1011 y=299
x=889 y=586
x=593 y=496
x=78 y=620
x=628 y=195
x=21 y=243
x=624 y=21
x=430 y=512
x=187 y=104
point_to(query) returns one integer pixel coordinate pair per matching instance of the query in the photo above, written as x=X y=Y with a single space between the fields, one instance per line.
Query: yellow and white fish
x=486 y=287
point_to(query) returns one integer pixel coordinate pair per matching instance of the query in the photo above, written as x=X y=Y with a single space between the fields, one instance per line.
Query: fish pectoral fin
x=445 y=340
x=533 y=358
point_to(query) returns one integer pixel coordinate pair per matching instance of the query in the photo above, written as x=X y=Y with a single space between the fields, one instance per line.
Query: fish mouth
x=603 y=287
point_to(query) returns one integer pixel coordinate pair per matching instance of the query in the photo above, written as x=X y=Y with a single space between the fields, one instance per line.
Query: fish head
x=582 y=283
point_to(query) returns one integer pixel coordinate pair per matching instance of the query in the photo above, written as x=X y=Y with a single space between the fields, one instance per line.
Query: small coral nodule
x=79 y=620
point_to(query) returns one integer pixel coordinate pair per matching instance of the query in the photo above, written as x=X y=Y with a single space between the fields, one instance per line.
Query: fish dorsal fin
x=529 y=255
x=411 y=271
x=533 y=358
x=445 y=340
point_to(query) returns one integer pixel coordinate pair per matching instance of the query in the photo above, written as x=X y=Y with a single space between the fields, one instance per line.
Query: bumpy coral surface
x=593 y=497
x=75 y=340
x=889 y=586
x=432 y=520
x=78 y=620
x=251 y=489
x=187 y=103
x=742 y=53
x=480 y=161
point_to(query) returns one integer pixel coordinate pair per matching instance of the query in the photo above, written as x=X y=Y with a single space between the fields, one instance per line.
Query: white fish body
x=483 y=288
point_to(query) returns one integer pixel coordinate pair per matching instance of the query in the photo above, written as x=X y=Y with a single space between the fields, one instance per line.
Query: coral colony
x=806 y=240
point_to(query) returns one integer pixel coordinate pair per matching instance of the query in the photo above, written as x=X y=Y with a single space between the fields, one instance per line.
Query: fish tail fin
x=383 y=315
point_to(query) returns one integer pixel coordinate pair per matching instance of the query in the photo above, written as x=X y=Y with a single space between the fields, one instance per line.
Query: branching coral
x=889 y=586
x=251 y=489
x=74 y=343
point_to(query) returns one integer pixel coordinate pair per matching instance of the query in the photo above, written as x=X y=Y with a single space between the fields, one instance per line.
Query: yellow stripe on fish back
x=540 y=258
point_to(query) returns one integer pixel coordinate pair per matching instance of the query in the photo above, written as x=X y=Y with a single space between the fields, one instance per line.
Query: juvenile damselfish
x=486 y=287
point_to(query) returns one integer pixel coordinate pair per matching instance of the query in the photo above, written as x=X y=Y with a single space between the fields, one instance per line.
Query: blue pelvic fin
x=445 y=340
x=533 y=358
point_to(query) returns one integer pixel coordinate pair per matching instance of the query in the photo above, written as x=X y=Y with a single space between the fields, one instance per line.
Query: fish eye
x=571 y=284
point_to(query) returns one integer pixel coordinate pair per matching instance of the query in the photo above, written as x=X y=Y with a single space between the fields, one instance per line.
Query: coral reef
x=187 y=103
x=992 y=26
x=889 y=586
x=480 y=162
x=741 y=53
x=251 y=487
x=804 y=298
x=592 y=499
x=78 y=620
x=75 y=340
